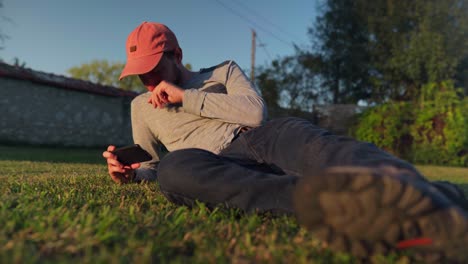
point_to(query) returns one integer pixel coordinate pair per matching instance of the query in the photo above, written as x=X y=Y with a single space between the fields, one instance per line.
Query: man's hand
x=119 y=172
x=166 y=93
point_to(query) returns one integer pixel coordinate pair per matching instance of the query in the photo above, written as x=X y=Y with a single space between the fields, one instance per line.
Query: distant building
x=46 y=109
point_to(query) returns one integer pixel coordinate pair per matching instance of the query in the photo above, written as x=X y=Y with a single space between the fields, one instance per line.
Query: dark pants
x=259 y=170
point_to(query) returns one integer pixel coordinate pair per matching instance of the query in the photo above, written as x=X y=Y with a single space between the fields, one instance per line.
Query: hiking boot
x=380 y=211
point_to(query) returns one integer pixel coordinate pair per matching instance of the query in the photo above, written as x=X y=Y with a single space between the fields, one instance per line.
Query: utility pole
x=252 y=57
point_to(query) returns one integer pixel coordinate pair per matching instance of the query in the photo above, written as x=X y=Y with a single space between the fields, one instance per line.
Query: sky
x=55 y=35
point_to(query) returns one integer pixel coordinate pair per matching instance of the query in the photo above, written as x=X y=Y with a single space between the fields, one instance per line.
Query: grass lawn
x=59 y=205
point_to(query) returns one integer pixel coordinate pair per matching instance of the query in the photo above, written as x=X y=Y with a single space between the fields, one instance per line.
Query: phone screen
x=132 y=154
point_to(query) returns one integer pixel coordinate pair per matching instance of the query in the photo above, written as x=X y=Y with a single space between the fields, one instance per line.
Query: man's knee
x=176 y=174
x=174 y=168
x=286 y=120
x=289 y=123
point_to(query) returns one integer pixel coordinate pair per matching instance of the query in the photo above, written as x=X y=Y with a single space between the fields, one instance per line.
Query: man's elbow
x=257 y=117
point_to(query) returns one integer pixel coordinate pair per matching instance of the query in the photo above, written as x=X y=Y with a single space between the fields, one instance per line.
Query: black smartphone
x=131 y=154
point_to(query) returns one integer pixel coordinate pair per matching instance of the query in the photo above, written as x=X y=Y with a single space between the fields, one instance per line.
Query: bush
x=387 y=126
x=440 y=129
x=433 y=129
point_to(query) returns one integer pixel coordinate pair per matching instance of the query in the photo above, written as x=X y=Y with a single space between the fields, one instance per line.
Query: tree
x=461 y=78
x=289 y=82
x=374 y=51
x=420 y=42
x=333 y=69
x=340 y=39
x=388 y=49
x=423 y=42
x=106 y=73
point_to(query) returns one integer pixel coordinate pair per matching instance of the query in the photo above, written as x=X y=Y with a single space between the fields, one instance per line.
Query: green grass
x=59 y=206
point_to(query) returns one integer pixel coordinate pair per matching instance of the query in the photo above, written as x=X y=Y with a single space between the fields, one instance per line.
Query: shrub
x=387 y=126
x=440 y=128
x=433 y=129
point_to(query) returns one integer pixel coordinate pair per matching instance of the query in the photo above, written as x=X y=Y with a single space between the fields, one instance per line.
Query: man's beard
x=178 y=76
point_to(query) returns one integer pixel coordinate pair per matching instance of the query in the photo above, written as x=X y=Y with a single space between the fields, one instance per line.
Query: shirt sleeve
x=241 y=104
x=145 y=138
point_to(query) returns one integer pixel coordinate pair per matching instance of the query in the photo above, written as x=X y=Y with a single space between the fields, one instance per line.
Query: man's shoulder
x=224 y=64
x=219 y=73
x=143 y=97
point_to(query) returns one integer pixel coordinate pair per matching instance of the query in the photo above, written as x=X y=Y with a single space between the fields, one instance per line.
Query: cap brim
x=140 y=65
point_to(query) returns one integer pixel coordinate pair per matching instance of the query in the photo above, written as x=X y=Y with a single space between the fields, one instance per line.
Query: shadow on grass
x=52 y=154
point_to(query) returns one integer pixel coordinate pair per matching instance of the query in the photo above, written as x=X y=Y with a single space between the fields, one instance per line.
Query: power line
x=253 y=23
x=257 y=14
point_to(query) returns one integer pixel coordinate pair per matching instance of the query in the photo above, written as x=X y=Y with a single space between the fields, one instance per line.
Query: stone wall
x=42 y=114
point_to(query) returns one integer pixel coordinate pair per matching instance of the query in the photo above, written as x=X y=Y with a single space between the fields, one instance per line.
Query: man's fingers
x=114 y=162
x=164 y=97
x=160 y=94
x=159 y=97
x=163 y=92
x=169 y=92
x=107 y=154
x=152 y=101
x=113 y=169
x=116 y=169
x=135 y=165
x=160 y=104
x=156 y=102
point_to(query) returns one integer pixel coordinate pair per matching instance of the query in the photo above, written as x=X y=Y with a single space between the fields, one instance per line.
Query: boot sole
x=366 y=212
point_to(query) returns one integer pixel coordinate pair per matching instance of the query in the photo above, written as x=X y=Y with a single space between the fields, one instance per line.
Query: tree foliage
x=388 y=49
x=425 y=44
x=340 y=39
x=106 y=73
x=379 y=50
x=387 y=126
x=288 y=81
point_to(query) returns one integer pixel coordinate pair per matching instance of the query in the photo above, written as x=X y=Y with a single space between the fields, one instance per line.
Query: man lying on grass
x=350 y=194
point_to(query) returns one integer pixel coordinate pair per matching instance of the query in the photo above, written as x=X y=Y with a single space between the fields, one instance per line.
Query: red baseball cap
x=145 y=47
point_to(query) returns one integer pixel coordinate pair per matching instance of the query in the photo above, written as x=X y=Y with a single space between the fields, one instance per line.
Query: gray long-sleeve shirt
x=217 y=103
